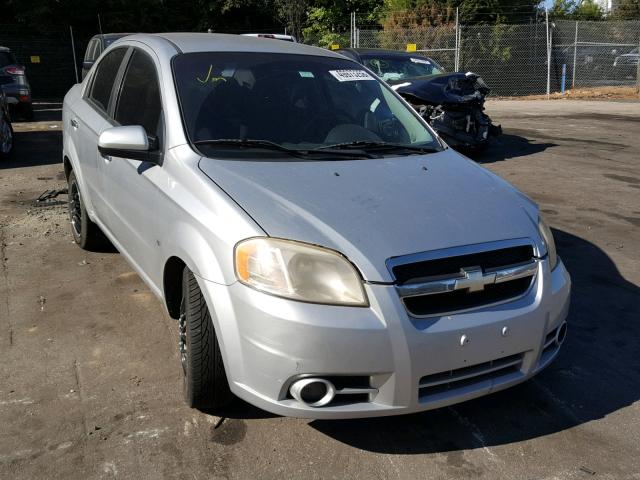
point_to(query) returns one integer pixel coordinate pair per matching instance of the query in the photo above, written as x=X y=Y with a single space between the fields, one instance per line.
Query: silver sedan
x=325 y=254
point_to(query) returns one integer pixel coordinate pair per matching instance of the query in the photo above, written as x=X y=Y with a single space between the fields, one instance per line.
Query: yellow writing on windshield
x=210 y=78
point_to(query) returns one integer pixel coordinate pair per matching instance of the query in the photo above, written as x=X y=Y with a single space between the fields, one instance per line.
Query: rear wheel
x=6 y=137
x=85 y=233
x=205 y=380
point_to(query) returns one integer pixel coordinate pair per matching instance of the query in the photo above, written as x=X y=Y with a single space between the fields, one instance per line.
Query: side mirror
x=128 y=142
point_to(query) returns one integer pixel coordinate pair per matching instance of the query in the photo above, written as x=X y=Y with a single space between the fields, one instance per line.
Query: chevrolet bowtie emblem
x=474 y=280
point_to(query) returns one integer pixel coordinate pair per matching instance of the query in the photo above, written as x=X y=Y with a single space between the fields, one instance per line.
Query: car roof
x=220 y=42
x=4 y=49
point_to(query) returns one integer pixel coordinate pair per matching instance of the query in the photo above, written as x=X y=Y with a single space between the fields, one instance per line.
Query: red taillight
x=14 y=70
x=23 y=98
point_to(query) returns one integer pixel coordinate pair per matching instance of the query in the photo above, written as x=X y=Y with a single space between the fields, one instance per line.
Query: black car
x=96 y=46
x=15 y=85
x=6 y=131
x=452 y=103
x=626 y=65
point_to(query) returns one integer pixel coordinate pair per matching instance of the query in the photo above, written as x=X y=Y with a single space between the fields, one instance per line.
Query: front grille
x=447 y=284
x=462 y=300
x=469 y=378
x=450 y=265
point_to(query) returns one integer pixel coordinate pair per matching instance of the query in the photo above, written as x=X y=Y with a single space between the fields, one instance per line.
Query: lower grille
x=469 y=377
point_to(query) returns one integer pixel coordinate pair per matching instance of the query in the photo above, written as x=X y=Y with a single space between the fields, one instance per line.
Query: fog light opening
x=314 y=392
x=561 y=334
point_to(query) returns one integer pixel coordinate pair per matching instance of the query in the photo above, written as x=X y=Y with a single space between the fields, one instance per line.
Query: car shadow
x=33 y=148
x=507 y=146
x=37 y=144
x=596 y=374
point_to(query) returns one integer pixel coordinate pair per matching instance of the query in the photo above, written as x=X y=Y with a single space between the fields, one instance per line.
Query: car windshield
x=399 y=67
x=284 y=102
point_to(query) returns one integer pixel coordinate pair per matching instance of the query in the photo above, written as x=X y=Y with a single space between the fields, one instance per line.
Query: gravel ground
x=90 y=381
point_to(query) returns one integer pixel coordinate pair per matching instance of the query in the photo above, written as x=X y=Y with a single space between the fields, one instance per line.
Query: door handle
x=74 y=123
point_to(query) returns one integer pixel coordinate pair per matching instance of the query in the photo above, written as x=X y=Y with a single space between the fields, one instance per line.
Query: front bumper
x=268 y=341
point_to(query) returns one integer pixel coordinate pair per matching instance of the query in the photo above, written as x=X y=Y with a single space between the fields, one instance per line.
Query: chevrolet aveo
x=325 y=254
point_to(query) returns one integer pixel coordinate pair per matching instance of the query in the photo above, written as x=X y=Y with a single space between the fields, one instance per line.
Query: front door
x=131 y=186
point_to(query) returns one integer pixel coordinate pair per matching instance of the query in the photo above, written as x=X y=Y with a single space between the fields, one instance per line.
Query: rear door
x=131 y=186
x=88 y=119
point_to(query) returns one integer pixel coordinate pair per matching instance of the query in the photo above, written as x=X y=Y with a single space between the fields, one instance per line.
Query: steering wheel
x=312 y=128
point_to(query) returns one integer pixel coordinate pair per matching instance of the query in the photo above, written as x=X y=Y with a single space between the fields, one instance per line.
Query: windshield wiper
x=269 y=145
x=379 y=145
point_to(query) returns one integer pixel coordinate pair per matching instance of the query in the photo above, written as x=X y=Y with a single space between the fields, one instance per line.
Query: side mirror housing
x=129 y=142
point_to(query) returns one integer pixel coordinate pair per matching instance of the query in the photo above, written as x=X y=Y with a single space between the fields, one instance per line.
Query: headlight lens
x=298 y=271
x=549 y=243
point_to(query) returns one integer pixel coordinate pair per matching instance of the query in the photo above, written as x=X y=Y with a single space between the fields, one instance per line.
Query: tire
x=205 y=379
x=6 y=137
x=86 y=234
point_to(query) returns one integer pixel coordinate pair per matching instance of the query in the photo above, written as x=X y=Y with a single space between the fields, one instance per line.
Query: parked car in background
x=452 y=103
x=324 y=254
x=15 y=85
x=276 y=36
x=96 y=46
x=6 y=130
x=626 y=65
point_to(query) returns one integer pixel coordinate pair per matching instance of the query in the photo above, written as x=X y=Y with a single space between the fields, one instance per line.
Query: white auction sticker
x=350 y=75
x=420 y=60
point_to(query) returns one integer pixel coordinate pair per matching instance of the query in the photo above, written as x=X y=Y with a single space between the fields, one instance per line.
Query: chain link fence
x=47 y=57
x=535 y=58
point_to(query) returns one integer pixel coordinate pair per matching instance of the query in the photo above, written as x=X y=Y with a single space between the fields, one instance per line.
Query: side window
x=104 y=77
x=139 y=102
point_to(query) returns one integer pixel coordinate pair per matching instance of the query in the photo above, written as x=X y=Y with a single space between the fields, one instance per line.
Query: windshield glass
x=294 y=101
x=399 y=67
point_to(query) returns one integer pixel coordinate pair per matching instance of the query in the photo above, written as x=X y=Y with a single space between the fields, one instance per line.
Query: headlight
x=549 y=243
x=298 y=271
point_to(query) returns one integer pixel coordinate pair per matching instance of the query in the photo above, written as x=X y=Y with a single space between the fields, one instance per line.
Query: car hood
x=374 y=209
x=446 y=88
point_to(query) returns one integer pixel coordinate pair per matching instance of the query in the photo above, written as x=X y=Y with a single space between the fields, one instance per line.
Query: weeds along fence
x=524 y=59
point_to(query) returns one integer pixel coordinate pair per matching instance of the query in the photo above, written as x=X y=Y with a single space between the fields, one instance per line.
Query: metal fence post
x=548 y=53
x=73 y=49
x=575 y=57
x=457 y=54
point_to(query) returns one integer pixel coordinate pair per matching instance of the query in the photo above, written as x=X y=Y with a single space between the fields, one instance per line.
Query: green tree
x=627 y=10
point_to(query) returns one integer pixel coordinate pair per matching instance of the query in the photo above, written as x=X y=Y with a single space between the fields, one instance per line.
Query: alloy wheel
x=182 y=332
x=75 y=209
x=6 y=138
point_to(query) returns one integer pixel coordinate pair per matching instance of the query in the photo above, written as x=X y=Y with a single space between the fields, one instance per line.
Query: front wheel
x=205 y=379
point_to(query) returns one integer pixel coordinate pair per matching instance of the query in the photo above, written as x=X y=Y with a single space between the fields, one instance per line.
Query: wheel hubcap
x=75 y=209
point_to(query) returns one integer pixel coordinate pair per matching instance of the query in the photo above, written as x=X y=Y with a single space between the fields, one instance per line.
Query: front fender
x=188 y=244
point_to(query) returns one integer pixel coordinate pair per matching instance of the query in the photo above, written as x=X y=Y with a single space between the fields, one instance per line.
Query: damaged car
x=452 y=103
